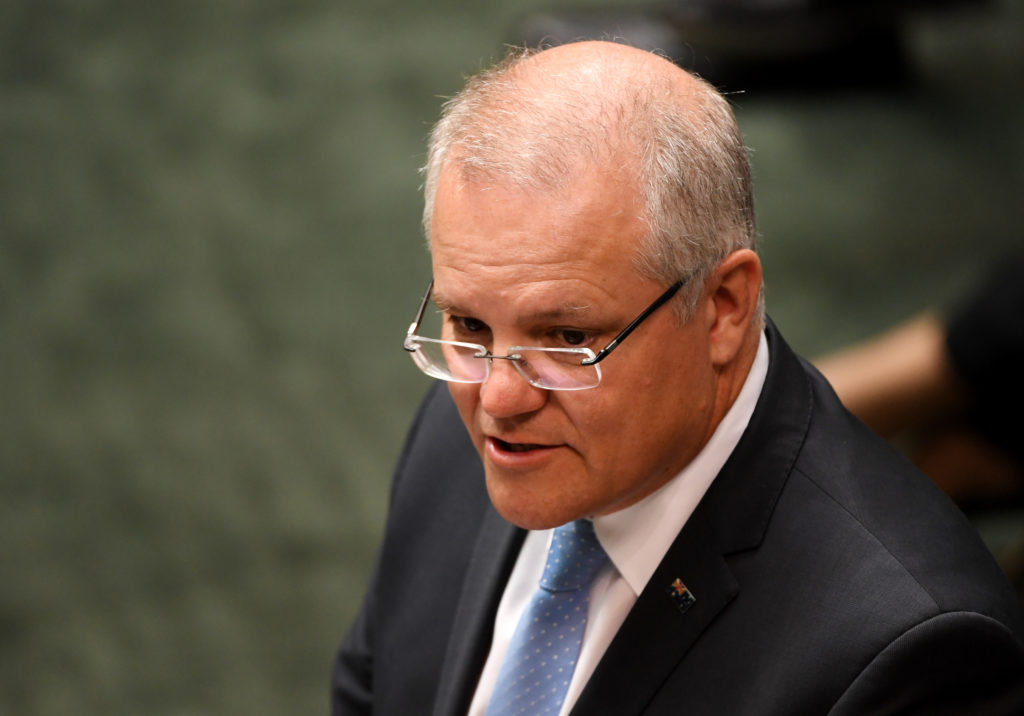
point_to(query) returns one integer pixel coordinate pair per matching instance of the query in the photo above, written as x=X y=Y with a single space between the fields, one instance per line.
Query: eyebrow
x=564 y=310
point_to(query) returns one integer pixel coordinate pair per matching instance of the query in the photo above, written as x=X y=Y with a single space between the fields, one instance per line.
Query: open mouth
x=516 y=447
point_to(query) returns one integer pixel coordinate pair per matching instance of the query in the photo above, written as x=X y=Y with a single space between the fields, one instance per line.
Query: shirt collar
x=638 y=537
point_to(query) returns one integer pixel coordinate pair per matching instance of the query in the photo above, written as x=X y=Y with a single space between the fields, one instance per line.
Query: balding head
x=539 y=120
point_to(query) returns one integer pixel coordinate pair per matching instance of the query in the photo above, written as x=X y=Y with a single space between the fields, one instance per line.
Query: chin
x=524 y=508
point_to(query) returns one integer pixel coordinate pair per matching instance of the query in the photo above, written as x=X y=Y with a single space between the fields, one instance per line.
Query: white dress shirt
x=636 y=540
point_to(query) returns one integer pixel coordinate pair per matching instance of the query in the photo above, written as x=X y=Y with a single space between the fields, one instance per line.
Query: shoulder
x=437 y=452
x=869 y=493
x=439 y=475
x=863 y=564
x=952 y=663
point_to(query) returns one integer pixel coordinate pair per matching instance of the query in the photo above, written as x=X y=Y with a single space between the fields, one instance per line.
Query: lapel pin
x=681 y=595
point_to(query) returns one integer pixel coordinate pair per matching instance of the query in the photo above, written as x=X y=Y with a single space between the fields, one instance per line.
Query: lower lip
x=519 y=460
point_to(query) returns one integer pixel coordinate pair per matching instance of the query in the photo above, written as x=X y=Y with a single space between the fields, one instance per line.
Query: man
x=739 y=543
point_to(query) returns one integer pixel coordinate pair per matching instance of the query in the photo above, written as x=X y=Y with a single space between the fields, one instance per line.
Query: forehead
x=570 y=245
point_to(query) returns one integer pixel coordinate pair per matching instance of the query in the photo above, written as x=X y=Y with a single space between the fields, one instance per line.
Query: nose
x=506 y=393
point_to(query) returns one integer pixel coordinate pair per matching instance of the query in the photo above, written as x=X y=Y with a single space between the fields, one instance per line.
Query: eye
x=572 y=337
x=469 y=325
x=464 y=326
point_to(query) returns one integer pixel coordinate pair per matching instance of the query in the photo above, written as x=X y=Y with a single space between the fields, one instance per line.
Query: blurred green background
x=209 y=252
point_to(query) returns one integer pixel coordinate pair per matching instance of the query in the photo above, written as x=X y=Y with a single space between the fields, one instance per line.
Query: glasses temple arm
x=415 y=325
x=603 y=353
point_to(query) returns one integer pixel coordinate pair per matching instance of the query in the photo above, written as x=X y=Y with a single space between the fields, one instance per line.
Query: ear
x=733 y=291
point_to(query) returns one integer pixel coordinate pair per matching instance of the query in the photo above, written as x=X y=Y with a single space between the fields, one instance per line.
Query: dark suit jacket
x=829 y=576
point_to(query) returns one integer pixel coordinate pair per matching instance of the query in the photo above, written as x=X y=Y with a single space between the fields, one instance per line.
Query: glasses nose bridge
x=510 y=357
x=516 y=361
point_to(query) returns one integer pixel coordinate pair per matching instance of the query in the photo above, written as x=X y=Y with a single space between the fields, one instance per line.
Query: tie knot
x=574 y=558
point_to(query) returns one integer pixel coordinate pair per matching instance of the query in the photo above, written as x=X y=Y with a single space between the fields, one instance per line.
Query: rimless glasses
x=549 y=368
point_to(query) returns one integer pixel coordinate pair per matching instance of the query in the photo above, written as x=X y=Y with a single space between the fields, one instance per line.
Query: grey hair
x=683 y=150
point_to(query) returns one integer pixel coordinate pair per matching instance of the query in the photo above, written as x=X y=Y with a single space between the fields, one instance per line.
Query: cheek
x=610 y=422
x=634 y=390
x=651 y=408
x=466 y=397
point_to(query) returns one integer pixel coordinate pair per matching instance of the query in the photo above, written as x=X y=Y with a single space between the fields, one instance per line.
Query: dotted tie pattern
x=542 y=654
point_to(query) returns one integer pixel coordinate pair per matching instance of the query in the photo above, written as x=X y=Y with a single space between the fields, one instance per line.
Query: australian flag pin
x=681 y=595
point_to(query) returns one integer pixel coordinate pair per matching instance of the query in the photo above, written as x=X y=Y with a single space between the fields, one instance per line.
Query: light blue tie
x=541 y=657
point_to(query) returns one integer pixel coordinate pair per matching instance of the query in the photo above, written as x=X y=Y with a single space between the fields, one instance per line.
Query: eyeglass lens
x=467 y=363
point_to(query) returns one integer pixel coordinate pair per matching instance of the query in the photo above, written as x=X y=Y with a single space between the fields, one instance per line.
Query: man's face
x=517 y=268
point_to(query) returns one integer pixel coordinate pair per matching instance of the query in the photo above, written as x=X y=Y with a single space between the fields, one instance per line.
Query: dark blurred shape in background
x=209 y=251
x=816 y=45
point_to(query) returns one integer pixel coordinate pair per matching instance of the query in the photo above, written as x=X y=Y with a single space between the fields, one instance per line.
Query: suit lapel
x=732 y=517
x=494 y=555
x=661 y=627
